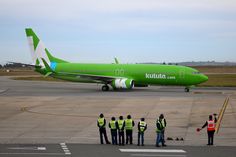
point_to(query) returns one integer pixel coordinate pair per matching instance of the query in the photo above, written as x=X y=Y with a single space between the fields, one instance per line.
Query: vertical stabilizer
x=39 y=51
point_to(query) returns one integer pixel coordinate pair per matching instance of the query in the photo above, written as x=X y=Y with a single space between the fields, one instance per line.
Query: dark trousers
x=141 y=135
x=103 y=132
x=210 y=137
x=121 y=138
x=114 y=136
x=163 y=137
x=159 y=138
x=129 y=136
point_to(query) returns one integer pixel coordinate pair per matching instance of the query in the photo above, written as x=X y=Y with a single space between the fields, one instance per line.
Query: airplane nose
x=204 y=78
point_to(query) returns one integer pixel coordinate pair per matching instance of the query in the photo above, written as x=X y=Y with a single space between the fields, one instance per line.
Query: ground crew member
x=113 y=125
x=129 y=124
x=121 y=127
x=142 y=126
x=159 y=130
x=210 y=129
x=101 y=123
x=163 y=122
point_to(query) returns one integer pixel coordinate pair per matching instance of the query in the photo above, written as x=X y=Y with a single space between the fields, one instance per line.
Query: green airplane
x=112 y=76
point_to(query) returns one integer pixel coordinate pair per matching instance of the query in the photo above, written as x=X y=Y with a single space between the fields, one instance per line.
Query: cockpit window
x=196 y=72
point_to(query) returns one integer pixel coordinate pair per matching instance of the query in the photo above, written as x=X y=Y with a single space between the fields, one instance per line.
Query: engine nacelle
x=122 y=83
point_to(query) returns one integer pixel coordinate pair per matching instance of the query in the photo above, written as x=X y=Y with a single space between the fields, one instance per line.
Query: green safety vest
x=113 y=124
x=128 y=124
x=161 y=126
x=163 y=123
x=101 y=121
x=142 y=126
x=120 y=124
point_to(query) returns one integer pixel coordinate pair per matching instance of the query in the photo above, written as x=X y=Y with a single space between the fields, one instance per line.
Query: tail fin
x=39 y=51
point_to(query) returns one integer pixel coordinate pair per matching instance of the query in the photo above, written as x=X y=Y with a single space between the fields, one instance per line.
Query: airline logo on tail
x=38 y=50
x=40 y=55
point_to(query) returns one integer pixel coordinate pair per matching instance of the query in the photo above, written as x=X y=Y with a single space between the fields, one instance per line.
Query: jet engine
x=122 y=83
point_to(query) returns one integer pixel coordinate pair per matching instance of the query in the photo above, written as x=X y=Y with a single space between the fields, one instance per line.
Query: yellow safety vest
x=128 y=124
x=101 y=121
x=142 y=126
x=120 y=124
x=113 y=124
x=163 y=123
x=161 y=126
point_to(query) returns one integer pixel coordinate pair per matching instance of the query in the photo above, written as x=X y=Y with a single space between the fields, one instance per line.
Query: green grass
x=17 y=72
x=37 y=78
x=220 y=80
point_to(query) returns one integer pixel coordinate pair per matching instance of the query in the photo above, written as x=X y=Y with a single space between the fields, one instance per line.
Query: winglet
x=116 y=60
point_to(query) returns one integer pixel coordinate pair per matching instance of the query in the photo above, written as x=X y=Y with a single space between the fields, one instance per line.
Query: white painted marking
x=28 y=148
x=153 y=150
x=153 y=155
x=65 y=149
x=41 y=148
x=32 y=154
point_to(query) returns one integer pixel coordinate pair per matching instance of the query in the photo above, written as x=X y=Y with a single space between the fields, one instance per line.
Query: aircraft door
x=181 y=74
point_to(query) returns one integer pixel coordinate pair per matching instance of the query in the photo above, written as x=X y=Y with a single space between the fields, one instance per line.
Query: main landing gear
x=105 y=88
x=186 y=89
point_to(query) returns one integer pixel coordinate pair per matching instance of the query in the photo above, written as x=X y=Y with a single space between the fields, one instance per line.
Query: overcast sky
x=132 y=30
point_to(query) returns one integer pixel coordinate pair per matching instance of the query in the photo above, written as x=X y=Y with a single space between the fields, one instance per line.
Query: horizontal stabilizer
x=47 y=74
x=46 y=65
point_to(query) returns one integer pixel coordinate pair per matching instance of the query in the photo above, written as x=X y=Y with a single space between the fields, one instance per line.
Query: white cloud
x=74 y=9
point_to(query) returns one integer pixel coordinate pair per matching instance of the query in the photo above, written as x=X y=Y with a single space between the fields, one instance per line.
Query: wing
x=97 y=78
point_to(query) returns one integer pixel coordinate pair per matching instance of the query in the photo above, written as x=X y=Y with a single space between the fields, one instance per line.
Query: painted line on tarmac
x=221 y=114
x=27 y=148
x=153 y=155
x=2 y=91
x=53 y=154
x=152 y=150
x=65 y=149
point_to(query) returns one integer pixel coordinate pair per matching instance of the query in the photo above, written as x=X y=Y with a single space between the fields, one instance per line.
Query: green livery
x=116 y=76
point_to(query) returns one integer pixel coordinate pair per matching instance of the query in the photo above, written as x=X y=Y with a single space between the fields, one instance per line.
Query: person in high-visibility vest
x=101 y=123
x=113 y=125
x=142 y=126
x=159 y=131
x=163 y=122
x=210 y=128
x=129 y=124
x=121 y=133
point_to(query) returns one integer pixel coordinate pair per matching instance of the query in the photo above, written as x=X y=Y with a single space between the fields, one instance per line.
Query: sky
x=134 y=31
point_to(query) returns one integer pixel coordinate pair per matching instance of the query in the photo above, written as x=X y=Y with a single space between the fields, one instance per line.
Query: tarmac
x=46 y=114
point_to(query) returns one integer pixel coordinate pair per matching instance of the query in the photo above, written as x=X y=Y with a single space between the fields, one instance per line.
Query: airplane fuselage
x=141 y=74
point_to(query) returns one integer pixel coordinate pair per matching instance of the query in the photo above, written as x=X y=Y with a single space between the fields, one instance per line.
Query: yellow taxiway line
x=221 y=114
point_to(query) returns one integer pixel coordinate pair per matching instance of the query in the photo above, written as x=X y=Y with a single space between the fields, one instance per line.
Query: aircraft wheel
x=186 y=89
x=105 y=88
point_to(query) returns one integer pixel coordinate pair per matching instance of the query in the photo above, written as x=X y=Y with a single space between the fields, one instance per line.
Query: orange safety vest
x=210 y=125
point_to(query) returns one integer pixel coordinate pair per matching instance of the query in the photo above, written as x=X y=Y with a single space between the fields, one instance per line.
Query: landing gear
x=186 y=89
x=105 y=88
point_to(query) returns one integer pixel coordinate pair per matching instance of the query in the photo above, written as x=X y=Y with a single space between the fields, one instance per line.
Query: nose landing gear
x=105 y=88
x=186 y=89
